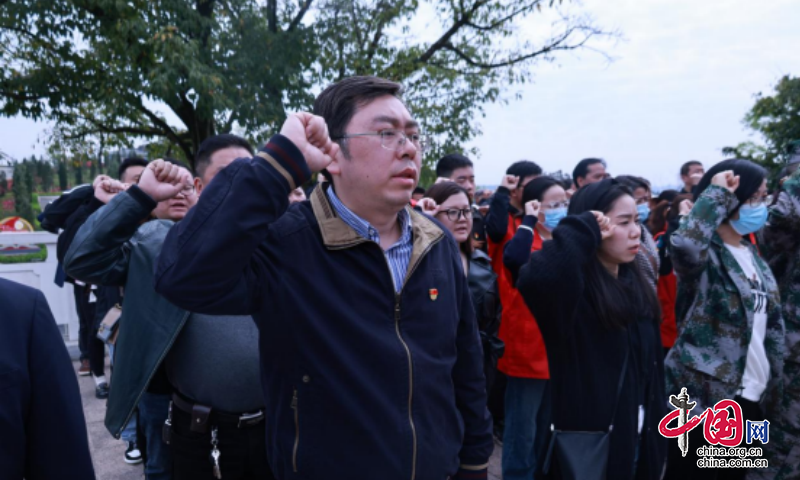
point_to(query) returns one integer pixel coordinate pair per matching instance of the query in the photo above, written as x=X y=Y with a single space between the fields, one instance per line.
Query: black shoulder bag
x=583 y=455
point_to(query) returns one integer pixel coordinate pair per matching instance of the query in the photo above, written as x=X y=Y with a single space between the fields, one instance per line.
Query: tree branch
x=503 y=20
x=556 y=45
x=299 y=17
x=446 y=36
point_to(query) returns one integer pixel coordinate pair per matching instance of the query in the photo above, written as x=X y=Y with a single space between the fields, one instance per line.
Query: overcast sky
x=682 y=78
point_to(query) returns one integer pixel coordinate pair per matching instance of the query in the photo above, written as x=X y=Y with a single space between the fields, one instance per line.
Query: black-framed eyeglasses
x=455 y=214
x=392 y=139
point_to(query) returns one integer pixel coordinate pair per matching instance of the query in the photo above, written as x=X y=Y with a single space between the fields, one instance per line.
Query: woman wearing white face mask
x=731 y=340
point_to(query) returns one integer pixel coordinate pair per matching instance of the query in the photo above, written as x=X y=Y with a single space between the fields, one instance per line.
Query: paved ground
x=107 y=452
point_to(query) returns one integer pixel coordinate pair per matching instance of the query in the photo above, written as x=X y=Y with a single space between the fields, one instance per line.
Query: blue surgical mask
x=553 y=216
x=751 y=219
x=644 y=212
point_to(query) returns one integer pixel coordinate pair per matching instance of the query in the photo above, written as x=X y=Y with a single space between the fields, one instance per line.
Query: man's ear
x=335 y=167
x=198 y=185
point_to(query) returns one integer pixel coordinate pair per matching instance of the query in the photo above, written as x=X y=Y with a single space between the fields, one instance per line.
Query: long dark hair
x=439 y=193
x=629 y=297
x=751 y=176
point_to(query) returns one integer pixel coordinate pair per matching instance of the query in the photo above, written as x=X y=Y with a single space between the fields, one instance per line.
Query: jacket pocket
x=296 y=430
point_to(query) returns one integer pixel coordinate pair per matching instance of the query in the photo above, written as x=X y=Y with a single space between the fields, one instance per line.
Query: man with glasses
x=370 y=357
x=194 y=378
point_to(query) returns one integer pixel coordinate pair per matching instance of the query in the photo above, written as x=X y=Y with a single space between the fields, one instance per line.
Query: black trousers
x=91 y=348
x=243 y=451
x=685 y=468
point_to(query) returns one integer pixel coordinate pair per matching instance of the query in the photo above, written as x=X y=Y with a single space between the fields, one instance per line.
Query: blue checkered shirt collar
x=363 y=227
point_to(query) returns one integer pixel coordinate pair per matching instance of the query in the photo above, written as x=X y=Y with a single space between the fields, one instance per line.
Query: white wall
x=40 y=275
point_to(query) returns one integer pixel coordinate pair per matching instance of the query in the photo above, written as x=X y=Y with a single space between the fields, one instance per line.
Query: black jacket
x=486 y=300
x=42 y=429
x=585 y=358
x=360 y=381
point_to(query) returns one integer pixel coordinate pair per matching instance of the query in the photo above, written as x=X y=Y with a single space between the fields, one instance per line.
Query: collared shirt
x=398 y=255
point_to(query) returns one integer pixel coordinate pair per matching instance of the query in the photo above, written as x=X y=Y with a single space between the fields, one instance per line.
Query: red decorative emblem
x=434 y=293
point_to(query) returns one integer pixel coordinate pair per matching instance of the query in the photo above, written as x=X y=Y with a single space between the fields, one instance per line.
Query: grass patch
x=39 y=256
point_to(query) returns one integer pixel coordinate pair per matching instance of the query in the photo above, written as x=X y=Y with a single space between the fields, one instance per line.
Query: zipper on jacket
x=410 y=385
x=296 y=430
x=150 y=378
x=397 y=297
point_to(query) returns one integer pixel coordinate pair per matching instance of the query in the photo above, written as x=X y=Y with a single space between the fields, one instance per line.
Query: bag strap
x=621 y=380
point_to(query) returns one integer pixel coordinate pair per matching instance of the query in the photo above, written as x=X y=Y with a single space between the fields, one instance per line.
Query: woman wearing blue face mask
x=647 y=259
x=527 y=398
x=731 y=340
x=538 y=223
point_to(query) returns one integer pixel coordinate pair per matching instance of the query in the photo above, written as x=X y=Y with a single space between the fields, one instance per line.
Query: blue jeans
x=129 y=433
x=153 y=410
x=527 y=406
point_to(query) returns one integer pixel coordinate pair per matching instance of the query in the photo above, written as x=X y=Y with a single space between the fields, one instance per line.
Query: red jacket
x=525 y=354
x=667 y=291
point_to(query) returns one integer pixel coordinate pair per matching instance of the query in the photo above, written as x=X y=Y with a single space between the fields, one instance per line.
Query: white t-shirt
x=756 y=370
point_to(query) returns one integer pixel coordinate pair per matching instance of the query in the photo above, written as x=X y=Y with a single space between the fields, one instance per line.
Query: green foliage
x=62 y=175
x=39 y=256
x=776 y=118
x=22 y=194
x=218 y=66
x=3 y=183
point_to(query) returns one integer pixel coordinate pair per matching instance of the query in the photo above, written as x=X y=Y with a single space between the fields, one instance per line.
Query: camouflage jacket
x=715 y=310
x=781 y=247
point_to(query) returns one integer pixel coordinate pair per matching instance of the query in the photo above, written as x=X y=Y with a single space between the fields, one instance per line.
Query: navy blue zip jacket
x=42 y=428
x=360 y=382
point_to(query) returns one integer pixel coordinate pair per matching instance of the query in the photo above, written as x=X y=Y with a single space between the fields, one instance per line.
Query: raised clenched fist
x=509 y=181
x=163 y=180
x=309 y=133
x=428 y=206
x=106 y=188
x=606 y=227
x=532 y=208
x=726 y=180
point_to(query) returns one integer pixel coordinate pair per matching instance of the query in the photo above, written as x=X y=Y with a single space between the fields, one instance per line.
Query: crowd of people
x=310 y=311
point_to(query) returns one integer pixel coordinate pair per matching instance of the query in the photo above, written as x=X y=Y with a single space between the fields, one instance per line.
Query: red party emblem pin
x=434 y=293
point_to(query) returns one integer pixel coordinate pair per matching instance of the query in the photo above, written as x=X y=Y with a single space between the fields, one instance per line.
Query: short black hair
x=686 y=166
x=751 y=176
x=582 y=168
x=213 y=144
x=337 y=104
x=418 y=189
x=633 y=182
x=524 y=169
x=130 y=162
x=450 y=163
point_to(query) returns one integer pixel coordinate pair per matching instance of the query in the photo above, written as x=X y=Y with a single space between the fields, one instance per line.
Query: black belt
x=201 y=414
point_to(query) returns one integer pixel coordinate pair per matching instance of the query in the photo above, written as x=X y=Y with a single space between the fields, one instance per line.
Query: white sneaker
x=132 y=454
